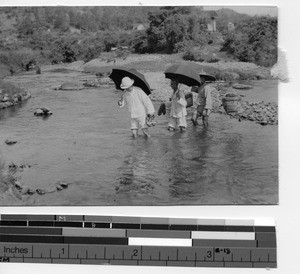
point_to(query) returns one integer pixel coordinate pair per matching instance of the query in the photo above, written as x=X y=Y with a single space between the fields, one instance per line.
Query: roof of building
x=213 y=13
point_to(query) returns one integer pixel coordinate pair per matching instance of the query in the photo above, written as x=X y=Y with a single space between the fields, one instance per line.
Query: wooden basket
x=231 y=104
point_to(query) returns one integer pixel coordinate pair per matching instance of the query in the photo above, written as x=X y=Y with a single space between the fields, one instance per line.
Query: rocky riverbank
x=264 y=113
x=9 y=100
x=153 y=67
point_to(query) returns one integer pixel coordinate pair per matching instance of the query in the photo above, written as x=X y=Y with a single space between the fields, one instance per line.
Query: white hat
x=126 y=83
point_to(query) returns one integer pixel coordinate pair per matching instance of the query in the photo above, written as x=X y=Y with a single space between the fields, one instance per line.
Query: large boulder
x=43 y=111
x=71 y=86
x=5 y=98
x=242 y=86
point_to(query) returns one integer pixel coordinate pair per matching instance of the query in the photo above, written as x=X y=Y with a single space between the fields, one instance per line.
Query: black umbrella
x=184 y=73
x=139 y=79
x=204 y=71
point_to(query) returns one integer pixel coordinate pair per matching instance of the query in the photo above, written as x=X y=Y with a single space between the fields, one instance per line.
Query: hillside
x=83 y=18
x=34 y=36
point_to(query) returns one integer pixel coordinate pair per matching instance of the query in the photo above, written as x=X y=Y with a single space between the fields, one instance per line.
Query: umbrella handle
x=123 y=92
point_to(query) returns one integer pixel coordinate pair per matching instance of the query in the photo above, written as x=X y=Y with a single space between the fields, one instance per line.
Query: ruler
x=124 y=240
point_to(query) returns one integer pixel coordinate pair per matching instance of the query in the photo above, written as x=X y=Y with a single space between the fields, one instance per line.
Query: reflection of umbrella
x=185 y=74
x=139 y=79
x=203 y=71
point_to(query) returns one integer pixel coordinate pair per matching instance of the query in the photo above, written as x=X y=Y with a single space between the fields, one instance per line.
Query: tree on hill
x=254 y=40
x=171 y=28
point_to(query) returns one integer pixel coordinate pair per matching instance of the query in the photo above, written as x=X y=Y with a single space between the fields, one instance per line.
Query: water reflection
x=10 y=112
x=136 y=172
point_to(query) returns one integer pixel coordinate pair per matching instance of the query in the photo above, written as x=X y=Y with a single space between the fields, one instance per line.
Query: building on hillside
x=74 y=30
x=212 y=25
x=231 y=27
x=139 y=26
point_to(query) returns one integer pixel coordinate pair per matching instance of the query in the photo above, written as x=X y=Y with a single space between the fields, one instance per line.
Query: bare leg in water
x=194 y=118
x=205 y=120
x=146 y=133
x=134 y=133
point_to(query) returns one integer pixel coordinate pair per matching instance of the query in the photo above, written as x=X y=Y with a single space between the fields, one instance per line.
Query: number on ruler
x=225 y=250
x=4 y=259
x=209 y=254
x=135 y=252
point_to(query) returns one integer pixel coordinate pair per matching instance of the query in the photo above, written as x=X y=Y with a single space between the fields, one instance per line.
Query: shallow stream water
x=87 y=143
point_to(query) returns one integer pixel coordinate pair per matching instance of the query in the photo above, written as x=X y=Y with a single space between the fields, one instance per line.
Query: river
x=87 y=144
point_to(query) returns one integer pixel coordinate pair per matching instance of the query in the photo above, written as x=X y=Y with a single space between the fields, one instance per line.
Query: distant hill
x=20 y=19
x=232 y=15
x=227 y=15
x=83 y=18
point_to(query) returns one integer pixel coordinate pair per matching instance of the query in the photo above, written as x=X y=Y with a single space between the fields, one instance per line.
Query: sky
x=250 y=10
x=255 y=9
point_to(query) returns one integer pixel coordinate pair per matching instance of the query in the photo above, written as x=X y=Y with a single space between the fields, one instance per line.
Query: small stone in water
x=62 y=184
x=40 y=191
x=10 y=142
x=30 y=191
x=25 y=190
x=58 y=187
x=18 y=185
